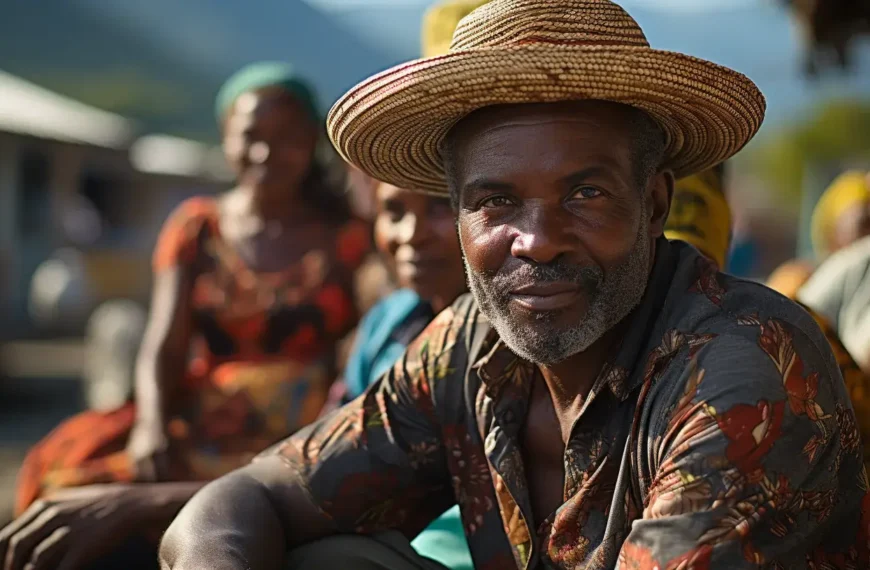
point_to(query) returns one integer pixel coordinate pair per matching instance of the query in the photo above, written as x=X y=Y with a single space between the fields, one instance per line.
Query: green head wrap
x=259 y=76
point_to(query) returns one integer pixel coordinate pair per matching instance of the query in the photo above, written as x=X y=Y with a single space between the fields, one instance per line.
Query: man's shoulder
x=452 y=333
x=705 y=300
x=744 y=330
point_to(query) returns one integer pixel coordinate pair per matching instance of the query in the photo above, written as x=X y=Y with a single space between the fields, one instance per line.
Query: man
x=604 y=398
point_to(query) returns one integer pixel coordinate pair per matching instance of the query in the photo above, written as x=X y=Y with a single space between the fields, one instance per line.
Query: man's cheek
x=486 y=248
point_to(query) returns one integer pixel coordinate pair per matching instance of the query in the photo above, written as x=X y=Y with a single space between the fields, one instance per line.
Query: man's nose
x=543 y=234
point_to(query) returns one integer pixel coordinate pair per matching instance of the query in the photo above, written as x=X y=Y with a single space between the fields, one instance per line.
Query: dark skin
x=269 y=140
x=554 y=180
x=417 y=235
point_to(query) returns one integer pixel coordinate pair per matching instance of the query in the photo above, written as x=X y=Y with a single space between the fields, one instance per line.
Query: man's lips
x=547 y=296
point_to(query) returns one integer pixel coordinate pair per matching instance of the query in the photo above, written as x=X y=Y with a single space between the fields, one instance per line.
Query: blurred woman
x=841 y=217
x=252 y=292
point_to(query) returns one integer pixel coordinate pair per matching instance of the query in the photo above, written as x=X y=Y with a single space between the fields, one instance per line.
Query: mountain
x=161 y=62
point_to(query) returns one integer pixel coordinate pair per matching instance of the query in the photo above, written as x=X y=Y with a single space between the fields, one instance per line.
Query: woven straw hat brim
x=391 y=126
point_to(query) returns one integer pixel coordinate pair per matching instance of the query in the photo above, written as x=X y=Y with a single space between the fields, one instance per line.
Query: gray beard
x=611 y=298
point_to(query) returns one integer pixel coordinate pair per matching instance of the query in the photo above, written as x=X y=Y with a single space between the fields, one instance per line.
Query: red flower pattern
x=752 y=431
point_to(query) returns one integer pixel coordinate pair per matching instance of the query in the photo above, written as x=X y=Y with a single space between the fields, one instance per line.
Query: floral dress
x=262 y=358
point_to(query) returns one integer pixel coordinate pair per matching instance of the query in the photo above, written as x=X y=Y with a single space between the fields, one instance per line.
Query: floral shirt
x=719 y=435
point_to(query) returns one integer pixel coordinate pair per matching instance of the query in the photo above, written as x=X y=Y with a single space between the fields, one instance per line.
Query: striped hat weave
x=538 y=51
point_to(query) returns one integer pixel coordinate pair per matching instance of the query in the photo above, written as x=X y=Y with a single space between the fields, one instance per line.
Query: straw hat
x=537 y=51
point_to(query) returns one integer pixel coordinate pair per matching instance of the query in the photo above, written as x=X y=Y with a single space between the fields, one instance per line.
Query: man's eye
x=585 y=192
x=495 y=202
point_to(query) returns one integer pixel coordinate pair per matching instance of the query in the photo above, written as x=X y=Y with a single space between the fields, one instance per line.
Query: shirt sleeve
x=379 y=463
x=757 y=460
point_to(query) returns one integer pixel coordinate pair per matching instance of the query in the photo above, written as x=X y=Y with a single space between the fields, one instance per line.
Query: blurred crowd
x=288 y=295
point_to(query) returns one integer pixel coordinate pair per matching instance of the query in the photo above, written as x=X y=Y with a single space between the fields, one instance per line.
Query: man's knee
x=386 y=551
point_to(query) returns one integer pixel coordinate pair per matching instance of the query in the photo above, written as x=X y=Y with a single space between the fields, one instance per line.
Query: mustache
x=589 y=278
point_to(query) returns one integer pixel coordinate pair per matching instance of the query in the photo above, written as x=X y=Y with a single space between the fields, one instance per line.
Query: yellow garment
x=701 y=216
x=849 y=189
x=440 y=22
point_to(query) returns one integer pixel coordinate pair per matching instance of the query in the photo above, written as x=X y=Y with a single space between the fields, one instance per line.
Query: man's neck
x=570 y=381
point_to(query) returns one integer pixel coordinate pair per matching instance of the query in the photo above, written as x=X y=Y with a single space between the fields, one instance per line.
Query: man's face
x=556 y=234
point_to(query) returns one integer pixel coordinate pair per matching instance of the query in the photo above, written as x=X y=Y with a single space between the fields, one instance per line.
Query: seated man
x=604 y=397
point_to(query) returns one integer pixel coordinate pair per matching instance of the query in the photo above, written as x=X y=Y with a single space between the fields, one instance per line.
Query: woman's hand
x=148 y=449
x=74 y=527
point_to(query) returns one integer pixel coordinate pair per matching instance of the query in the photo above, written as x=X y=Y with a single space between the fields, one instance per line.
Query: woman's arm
x=163 y=356
x=159 y=369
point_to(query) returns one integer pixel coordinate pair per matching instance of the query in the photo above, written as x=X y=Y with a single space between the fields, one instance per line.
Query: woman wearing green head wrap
x=252 y=293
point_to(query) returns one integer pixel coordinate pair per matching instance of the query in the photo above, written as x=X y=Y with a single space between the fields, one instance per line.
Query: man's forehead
x=570 y=114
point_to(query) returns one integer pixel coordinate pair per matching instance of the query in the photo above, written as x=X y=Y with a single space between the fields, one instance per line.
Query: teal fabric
x=262 y=75
x=444 y=541
x=375 y=351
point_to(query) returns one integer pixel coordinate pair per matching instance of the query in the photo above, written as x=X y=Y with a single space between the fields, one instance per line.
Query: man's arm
x=242 y=521
x=376 y=464
x=755 y=464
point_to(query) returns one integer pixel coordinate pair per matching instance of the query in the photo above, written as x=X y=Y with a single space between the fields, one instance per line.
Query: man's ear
x=659 y=192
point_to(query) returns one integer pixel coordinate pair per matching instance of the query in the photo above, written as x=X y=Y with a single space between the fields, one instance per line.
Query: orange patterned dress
x=261 y=363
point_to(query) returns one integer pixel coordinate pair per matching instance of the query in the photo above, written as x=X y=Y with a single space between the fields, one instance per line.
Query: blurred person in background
x=841 y=217
x=840 y=291
x=252 y=292
x=373 y=281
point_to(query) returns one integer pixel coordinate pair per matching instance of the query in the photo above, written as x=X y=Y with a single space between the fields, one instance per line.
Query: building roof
x=28 y=109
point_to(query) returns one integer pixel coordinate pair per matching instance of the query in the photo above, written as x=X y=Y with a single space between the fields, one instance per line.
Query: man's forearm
x=231 y=524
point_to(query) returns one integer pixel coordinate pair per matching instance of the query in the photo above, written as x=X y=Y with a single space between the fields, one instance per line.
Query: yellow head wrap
x=700 y=215
x=440 y=22
x=849 y=189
